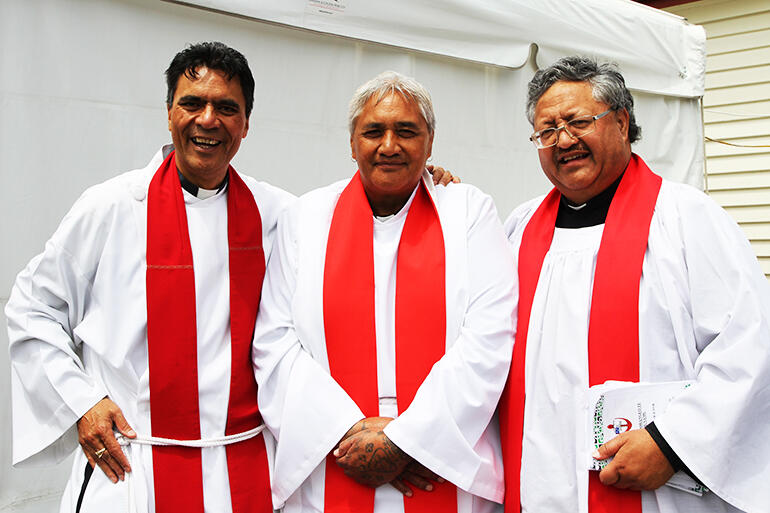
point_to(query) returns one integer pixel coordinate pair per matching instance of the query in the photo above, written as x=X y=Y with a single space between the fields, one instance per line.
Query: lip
x=576 y=157
x=204 y=148
x=389 y=166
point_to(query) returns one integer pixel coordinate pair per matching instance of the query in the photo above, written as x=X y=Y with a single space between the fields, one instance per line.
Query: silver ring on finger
x=100 y=452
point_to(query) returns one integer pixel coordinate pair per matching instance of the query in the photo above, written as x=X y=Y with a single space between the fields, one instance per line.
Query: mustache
x=575 y=147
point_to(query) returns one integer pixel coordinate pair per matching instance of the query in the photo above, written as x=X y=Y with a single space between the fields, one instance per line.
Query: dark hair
x=212 y=55
x=607 y=86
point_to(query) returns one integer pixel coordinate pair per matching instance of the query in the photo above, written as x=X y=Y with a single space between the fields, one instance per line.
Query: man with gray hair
x=378 y=370
x=627 y=277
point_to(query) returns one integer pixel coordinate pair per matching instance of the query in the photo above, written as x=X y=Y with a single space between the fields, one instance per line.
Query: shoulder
x=100 y=202
x=314 y=209
x=267 y=193
x=683 y=207
x=323 y=197
x=271 y=200
x=473 y=201
x=518 y=219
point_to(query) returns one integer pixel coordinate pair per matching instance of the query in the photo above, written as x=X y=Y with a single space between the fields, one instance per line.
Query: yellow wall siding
x=737 y=111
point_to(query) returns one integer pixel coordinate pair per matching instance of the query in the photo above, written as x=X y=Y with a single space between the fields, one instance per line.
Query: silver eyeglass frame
x=535 y=138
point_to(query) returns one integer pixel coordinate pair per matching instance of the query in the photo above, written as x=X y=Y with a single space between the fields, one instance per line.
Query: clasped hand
x=369 y=457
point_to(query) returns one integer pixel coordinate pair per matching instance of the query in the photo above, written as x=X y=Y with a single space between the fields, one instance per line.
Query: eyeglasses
x=575 y=128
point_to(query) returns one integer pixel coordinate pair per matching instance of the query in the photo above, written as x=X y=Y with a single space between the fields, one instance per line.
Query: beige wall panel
x=737 y=25
x=739 y=128
x=764 y=262
x=761 y=247
x=737 y=112
x=729 y=181
x=756 y=230
x=753 y=145
x=740 y=94
x=750 y=214
x=708 y=10
x=738 y=59
x=738 y=163
x=759 y=74
x=734 y=42
x=739 y=197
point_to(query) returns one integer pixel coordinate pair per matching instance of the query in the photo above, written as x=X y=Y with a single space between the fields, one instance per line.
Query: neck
x=590 y=213
x=389 y=204
x=195 y=189
x=384 y=208
x=213 y=181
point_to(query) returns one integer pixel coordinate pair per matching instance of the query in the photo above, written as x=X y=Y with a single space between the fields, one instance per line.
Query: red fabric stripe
x=613 y=330
x=348 y=303
x=172 y=347
x=538 y=235
x=421 y=281
x=247 y=461
x=614 y=317
x=172 y=344
x=349 y=315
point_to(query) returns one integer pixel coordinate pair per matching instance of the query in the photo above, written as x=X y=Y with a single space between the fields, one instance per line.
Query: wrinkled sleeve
x=720 y=427
x=304 y=408
x=49 y=387
x=456 y=401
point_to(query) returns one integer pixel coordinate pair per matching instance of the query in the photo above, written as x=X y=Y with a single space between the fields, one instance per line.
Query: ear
x=353 y=149
x=168 y=110
x=623 y=119
x=430 y=145
x=245 y=129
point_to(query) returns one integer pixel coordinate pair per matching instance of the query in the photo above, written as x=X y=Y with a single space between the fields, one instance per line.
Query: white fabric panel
x=658 y=51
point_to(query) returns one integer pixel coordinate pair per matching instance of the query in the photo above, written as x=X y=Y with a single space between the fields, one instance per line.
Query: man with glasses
x=625 y=276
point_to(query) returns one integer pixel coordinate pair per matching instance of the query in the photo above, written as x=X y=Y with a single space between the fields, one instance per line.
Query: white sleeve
x=50 y=388
x=457 y=399
x=720 y=427
x=304 y=408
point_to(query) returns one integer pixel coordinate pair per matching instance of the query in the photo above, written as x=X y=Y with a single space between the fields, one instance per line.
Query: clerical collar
x=591 y=213
x=197 y=191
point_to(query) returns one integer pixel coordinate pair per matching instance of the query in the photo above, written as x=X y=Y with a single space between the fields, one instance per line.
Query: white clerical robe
x=78 y=330
x=448 y=427
x=704 y=315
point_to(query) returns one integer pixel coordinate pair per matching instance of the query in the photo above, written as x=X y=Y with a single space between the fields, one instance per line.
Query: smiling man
x=139 y=313
x=625 y=276
x=379 y=368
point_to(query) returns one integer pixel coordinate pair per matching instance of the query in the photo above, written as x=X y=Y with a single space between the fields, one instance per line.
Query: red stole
x=172 y=347
x=614 y=318
x=349 y=326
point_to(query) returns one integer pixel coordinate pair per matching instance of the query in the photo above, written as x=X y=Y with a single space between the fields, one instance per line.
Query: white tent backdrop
x=82 y=96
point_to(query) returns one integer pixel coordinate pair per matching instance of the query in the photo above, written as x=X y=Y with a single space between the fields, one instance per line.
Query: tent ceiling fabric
x=661 y=53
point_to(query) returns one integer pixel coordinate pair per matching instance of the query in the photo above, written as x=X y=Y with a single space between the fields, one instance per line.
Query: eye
x=406 y=133
x=228 y=110
x=580 y=123
x=188 y=105
x=372 y=133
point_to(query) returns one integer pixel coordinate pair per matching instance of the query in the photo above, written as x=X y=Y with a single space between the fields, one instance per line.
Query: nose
x=564 y=138
x=208 y=117
x=389 y=143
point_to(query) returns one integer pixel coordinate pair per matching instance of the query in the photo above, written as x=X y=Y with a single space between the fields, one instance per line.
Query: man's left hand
x=441 y=176
x=370 y=458
x=638 y=463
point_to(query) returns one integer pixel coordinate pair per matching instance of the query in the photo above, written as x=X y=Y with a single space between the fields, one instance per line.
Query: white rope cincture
x=200 y=444
x=168 y=442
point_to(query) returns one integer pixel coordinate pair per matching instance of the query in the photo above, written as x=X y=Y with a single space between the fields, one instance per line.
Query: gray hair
x=385 y=84
x=606 y=82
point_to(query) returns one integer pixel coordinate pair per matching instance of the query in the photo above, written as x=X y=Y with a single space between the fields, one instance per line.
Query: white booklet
x=615 y=407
